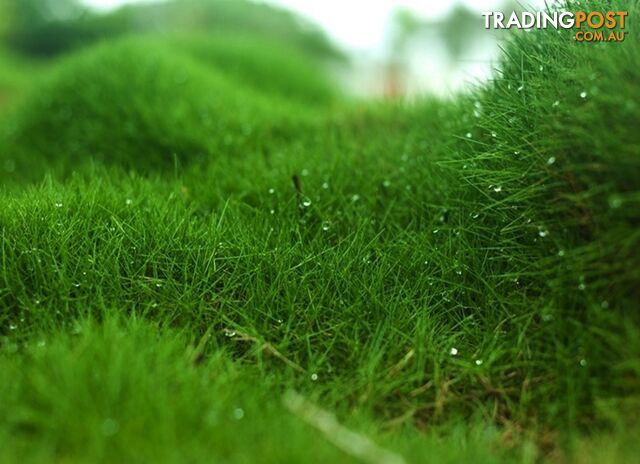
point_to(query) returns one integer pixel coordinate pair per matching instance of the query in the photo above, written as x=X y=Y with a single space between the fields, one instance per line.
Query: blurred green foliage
x=50 y=27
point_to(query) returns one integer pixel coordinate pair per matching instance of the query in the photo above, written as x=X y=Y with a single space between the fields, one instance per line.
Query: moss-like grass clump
x=451 y=279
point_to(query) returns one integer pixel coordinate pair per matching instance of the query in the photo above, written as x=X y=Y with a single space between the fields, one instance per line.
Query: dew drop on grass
x=41 y=344
x=477 y=111
x=475 y=215
x=110 y=427
x=238 y=413
x=583 y=94
x=583 y=363
x=615 y=202
x=12 y=327
x=561 y=253
x=305 y=172
x=479 y=362
x=386 y=183
x=493 y=134
x=355 y=197
x=521 y=88
x=314 y=376
x=306 y=202
x=272 y=191
x=435 y=231
x=129 y=202
x=326 y=226
x=604 y=304
x=556 y=103
x=468 y=135
x=58 y=205
x=582 y=285
x=229 y=333
x=541 y=68
x=273 y=211
x=453 y=351
x=325 y=185
x=497 y=188
x=551 y=160
x=543 y=232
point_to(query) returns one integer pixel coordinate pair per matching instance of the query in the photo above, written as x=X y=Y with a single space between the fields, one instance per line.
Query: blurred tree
x=49 y=27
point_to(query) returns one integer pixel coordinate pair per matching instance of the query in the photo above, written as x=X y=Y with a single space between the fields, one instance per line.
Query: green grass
x=456 y=281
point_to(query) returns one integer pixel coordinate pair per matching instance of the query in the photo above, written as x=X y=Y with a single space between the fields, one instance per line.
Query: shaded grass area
x=408 y=267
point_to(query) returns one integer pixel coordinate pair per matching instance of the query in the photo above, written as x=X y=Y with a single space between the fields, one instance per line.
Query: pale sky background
x=360 y=28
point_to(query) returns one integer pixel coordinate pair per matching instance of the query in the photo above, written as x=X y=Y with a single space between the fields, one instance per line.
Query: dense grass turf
x=162 y=103
x=410 y=268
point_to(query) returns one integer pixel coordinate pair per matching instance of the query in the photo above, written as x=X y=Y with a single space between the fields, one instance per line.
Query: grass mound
x=408 y=267
x=143 y=105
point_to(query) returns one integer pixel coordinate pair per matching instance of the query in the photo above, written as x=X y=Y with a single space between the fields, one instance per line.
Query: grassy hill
x=197 y=267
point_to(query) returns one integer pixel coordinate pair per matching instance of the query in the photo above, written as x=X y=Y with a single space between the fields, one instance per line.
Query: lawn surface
x=211 y=255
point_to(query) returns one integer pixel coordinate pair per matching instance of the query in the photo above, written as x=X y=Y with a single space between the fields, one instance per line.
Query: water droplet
x=272 y=191
x=497 y=188
x=273 y=211
x=326 y=226
x=543 y=232
x=110 y=427
x=238 y=413
x=58 y=205
x=129 y=201
x=541 y=68
x=314 y=376
x=41 y=344
x=475 y=215
x=453 y=351
x=468 y=135
x=325 y=185
x=12 y=327
x=582 y=285
x=583 y=94
x=77 y=284
x=551 y=160
x=493 y=134
x=229 y=333
x=306 y=202
x=615 y=202
x=556 y=103
x=158 y=285
x=386 y=183
x=435 y=231
x=561 y=253
x=604 y=304
x=521 y=88
x=583 y=363
x=355 y=197
x=305 y=172
x=479 y=362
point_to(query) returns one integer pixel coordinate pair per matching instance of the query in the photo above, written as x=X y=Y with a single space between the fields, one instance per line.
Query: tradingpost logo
x=589 y=26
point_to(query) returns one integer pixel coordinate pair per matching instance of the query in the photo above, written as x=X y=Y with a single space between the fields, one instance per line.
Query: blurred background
x=380 y=48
